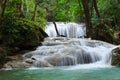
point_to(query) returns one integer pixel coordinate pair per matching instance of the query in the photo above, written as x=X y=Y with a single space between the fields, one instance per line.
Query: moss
x=21 y=33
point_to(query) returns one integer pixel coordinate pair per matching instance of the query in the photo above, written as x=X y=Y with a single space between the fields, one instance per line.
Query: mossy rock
x=116 y=56
x=21 y=33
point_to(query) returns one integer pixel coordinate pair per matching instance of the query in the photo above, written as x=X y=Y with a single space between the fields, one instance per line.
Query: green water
x=61 y=74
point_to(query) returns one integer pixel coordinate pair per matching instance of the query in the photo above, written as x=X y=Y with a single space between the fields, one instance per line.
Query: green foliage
x=69 y=11
x=109 y=11
x=20 y=32
x=40 y=17
x=109 y=30
x=14 y=8
x=62 y=10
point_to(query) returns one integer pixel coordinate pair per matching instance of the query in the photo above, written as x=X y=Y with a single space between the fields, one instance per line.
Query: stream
x=66 y=58
x=61 y=73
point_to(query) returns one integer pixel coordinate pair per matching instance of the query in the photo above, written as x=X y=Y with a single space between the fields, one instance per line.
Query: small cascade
x=70 y=30
x=61 y=51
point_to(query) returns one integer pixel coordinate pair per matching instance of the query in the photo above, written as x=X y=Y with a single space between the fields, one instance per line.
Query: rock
x=14 y=58
x=16 y=64
x=41 y=63
x=29 y=61
x=116 y=56
x=28 y=55
x=117 y=37
x=17 y=61
x=60 y=60
x=2 y=56
x=54 y=60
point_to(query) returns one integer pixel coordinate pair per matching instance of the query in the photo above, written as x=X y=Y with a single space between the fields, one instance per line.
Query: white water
x=60 y=51
x=70 y=30
x=71 y=50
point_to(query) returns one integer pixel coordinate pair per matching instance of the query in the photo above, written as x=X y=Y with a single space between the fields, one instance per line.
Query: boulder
x=17 y=61
x=116 y=56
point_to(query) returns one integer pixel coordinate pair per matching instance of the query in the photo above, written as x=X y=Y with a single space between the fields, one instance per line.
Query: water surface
x=61 y=73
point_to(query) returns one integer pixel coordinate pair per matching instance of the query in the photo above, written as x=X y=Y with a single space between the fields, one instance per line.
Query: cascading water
x=70 y=30
x=61 y=51
x=79 y=56
x=70 y=50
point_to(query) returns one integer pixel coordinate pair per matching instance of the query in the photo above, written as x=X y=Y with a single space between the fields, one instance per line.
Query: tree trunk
x=96 y=8
x=35 y=8
x=98 y=15
x=87 y=18
x=22 y=10
x=56 y=28
x=3 y=5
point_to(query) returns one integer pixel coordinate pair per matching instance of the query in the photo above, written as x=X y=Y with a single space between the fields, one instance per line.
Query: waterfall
x=61 y=51
x=70 y=30
x=70 y=50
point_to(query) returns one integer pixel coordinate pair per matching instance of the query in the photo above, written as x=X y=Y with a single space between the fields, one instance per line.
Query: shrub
x=20 y=32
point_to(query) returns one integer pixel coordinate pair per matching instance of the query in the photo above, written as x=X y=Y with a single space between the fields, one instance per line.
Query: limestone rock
x=16 y=64
x=116 y=56
x=29 y=61
x=41 y=63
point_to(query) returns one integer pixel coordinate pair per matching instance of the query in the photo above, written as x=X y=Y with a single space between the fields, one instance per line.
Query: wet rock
x=116 y=57
x=54 y=60
x=41 y=63
x=29 y=61
x=61 y=60
x=28 y=55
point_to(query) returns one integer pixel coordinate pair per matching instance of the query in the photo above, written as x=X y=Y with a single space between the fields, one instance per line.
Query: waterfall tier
x=70 y=30
x=60 y=51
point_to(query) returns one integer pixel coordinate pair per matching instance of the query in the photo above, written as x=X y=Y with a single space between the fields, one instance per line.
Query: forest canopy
x=100 y=16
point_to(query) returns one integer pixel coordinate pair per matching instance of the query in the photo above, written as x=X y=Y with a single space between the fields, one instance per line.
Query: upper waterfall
x=70 y=30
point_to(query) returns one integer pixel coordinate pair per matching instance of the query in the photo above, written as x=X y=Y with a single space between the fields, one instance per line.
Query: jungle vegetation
x=22 y=21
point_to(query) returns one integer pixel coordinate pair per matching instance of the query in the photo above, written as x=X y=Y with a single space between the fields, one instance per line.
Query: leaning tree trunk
x=3 y=5
x=55 y=27
x=87 y=17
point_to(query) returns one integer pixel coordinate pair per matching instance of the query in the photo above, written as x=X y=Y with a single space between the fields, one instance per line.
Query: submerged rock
x=116 y=56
